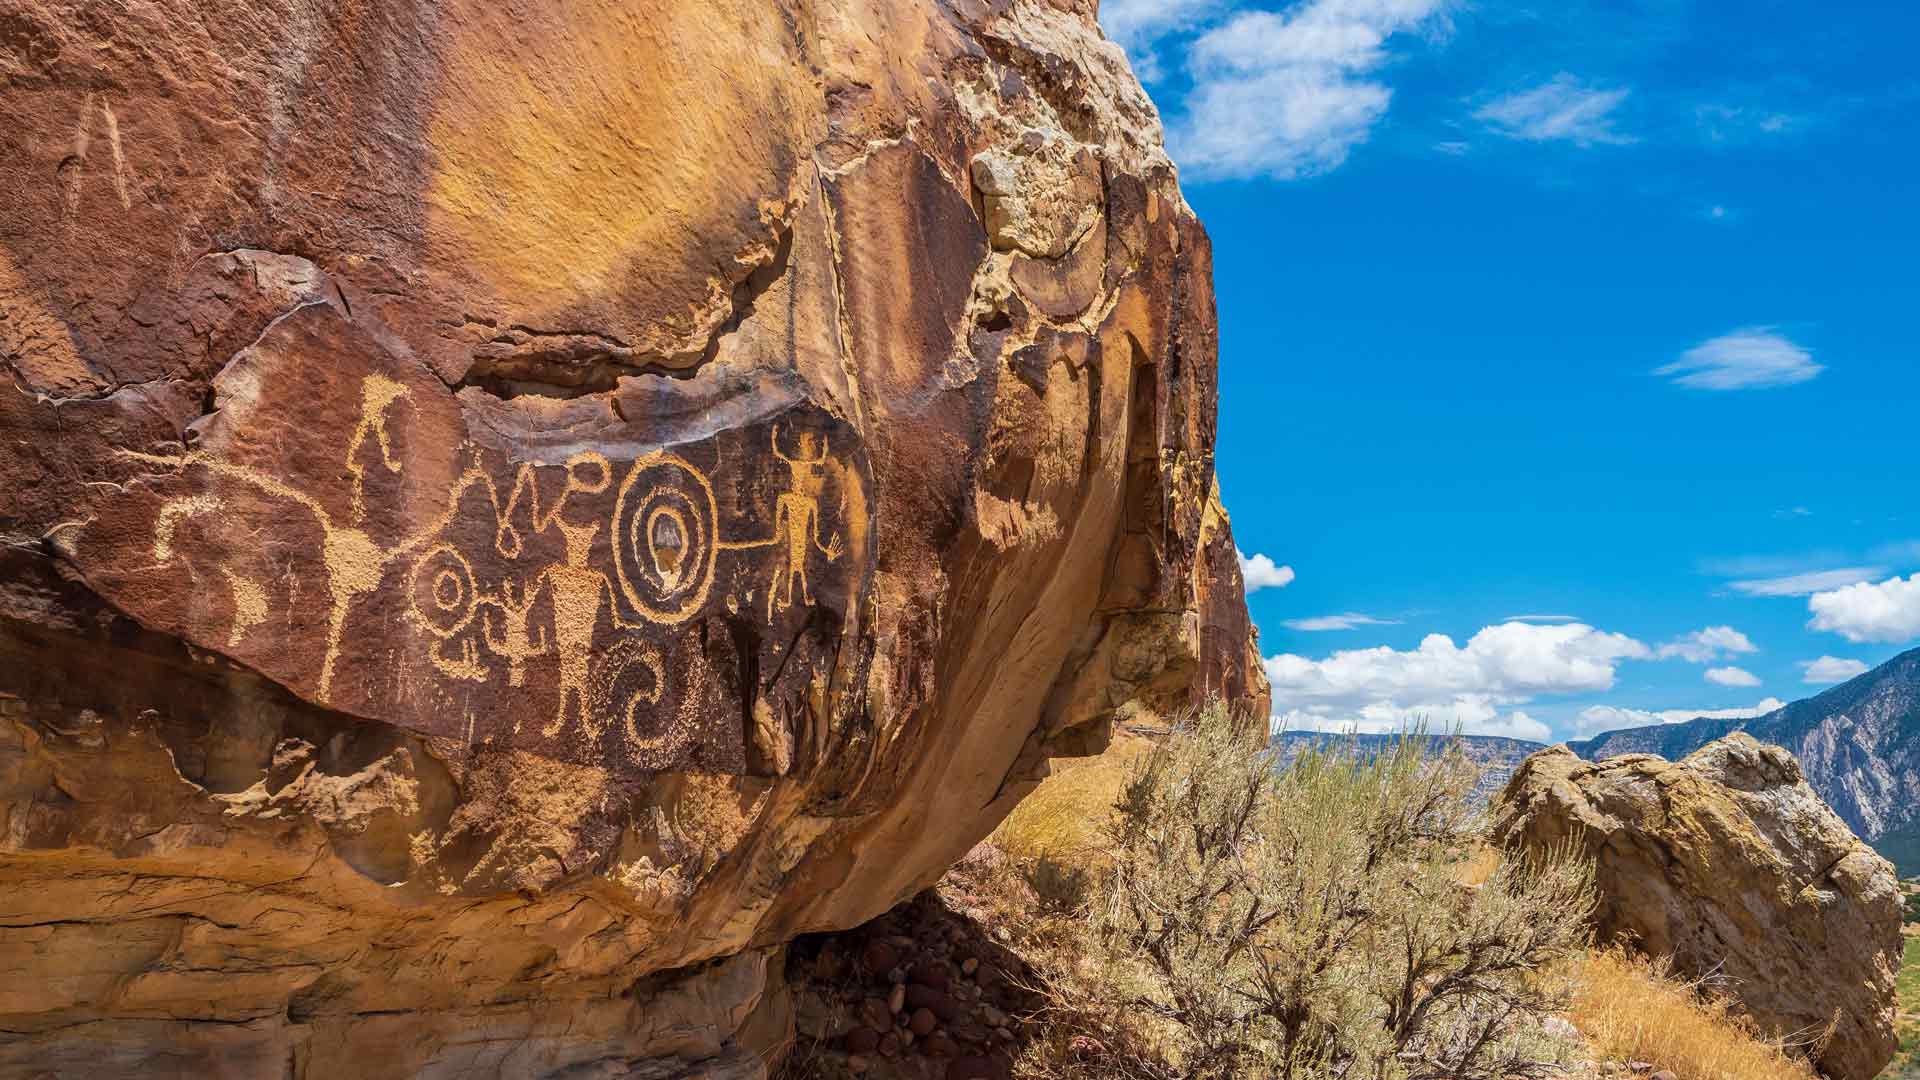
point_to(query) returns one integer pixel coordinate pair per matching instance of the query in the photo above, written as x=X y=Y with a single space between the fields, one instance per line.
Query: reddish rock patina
x=513 y=512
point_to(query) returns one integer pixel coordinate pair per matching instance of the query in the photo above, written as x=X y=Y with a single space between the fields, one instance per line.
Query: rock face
x=1729 y=863
x=514 y=511
x=1859 y=744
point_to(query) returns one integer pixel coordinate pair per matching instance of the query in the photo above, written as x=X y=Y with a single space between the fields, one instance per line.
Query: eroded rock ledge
x=514 y=512
x=1728 y=863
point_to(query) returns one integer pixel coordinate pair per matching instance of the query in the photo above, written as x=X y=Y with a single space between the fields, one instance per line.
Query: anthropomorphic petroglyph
x=543 y=590
x=796 y=522
x=377 y=393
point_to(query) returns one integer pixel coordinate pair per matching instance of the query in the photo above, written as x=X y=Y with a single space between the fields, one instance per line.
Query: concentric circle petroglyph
x=665 y=540
x=442 y=591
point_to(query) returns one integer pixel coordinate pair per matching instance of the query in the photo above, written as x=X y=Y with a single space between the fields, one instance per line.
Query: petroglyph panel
x=632 y=605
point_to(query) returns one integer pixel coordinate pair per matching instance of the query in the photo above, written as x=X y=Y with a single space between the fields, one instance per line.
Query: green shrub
x=1310 y=921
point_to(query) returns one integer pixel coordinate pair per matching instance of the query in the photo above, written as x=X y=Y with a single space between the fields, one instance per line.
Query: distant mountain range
x=1496 y=756
x=1859 y=744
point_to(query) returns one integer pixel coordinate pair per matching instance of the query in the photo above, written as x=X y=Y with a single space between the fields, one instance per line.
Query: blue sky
x=1569 y=362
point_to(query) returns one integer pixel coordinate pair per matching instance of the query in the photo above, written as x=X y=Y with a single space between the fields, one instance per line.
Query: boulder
x=513 y=512
x=1728 y=862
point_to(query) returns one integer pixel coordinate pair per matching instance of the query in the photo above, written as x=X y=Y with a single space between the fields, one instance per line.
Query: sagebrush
x=1310 y=921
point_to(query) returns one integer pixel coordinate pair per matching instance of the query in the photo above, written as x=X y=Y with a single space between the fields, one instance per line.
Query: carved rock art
x=503 y=529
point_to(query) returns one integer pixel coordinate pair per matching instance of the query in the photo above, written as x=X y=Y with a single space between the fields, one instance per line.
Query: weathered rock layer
x=514 y=511
x=1729 y=863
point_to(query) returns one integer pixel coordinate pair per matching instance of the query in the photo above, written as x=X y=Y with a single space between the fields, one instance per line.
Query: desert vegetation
x=1195 y=909
x=1306 y=921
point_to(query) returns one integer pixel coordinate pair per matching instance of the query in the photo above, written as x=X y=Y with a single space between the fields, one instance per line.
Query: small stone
x=876 y=1015
x=897 y=1000
x=931 y=973
x=1001 y=935
x=994 y=1017
x=891 y=1045
x=923 y=1022
x=926 y=997
x=970 y=1068
x=902 y=941
x=878 y=957
x=1663 y=1074
x=970 y=965
x=939 y=1045
x=1640 y=1066
x=857 y=1064
x=1004 y=1033
x=862 y=1040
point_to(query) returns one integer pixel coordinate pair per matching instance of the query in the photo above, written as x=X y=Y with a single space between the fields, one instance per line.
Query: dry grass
x=1906 y=1064
x=1632 y=1009
x=1479 y=865
x=1062 y=818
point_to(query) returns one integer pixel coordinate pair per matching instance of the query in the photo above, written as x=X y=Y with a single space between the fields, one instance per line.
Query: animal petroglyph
x=541 y=590
x=354 y=562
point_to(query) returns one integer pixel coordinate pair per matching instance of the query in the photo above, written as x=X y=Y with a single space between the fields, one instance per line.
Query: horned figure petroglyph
x=663 y=534
x=796 y=523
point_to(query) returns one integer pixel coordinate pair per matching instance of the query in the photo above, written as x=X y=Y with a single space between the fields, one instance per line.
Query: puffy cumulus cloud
x=1732 y=676
x=1808 y=583
x=1885 y=612
x=1290 y=95
x=1705 y=646
x=1831 y=669
x=1599 y=718
x=1563 y=108
x=1754 y=358
x=1259 y=572
x=1349 y=621
x=1446 y=683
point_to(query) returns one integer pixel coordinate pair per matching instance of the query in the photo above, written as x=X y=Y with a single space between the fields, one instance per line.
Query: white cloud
x=1752 y=358
x=1599 y=718
x=1259 y=572
x=1832 y=669
x=1726 y=123
x=1542 y=618
x=1886 y=612
x=1445 y=683
x=1348 y=621
x=1704 y=646
x=1807 y=584
x=1471 y=716
x=1732 y=676
x=1138 y=26
x=1562 y=108
x=1290 y=95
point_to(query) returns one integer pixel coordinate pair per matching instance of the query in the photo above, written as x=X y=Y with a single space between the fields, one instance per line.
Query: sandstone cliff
x=1729 y=863
x=514 y=511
